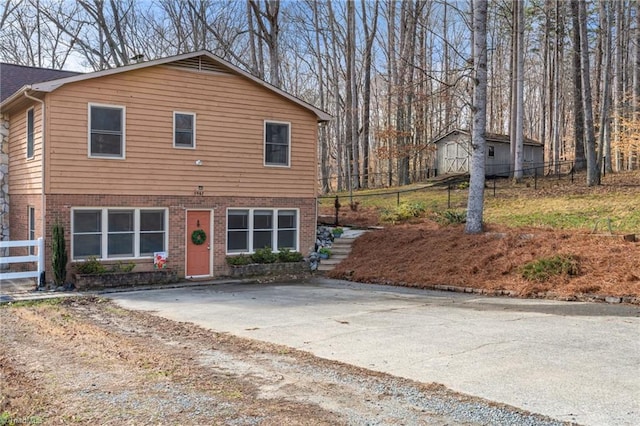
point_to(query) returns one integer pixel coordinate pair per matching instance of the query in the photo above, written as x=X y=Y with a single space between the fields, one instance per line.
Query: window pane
x=287 y=239
x=184 y=122
x=120 y=221
x=104 y=118
x=152 y=221
x=120 y=245
x=87 y=221
x=277 y=133
x=106 y=144
x=238 y=241
x=30 y=131
x=87 y=245
x=238 y=219
x=184 y=138
x=262 y=219
x=262 y=239
x=286 y=219
x=276 y=154
x=151 y=242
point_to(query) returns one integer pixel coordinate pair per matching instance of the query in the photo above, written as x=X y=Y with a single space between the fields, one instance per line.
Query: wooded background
x=395 y=75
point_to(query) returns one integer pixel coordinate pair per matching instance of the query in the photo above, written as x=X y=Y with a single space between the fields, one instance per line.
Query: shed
x=453 y=154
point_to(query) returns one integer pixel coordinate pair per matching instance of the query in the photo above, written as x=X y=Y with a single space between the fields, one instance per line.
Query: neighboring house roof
x=13 y=77
x=491 y=137
x=202 y=60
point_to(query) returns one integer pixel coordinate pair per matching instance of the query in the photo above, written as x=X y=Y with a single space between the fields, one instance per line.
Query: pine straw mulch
x=426 y=254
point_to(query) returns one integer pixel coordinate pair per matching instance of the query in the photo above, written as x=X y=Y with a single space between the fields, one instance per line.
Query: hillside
x=424 y=253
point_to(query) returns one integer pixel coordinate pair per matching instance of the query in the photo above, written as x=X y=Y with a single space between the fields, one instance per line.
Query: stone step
x=340 y=249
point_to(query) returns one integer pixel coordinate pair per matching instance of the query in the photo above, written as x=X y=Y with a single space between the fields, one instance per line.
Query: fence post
x=41 y=267
x=398 y=200
x=572 y=170
x=449 y=196
x=494 y=187
x=535 y=178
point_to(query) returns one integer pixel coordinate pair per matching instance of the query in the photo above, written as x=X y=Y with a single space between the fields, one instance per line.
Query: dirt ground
x=426 y=254
x=87 y=361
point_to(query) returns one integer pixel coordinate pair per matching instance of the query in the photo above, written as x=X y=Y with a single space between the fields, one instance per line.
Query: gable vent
x=200 y=63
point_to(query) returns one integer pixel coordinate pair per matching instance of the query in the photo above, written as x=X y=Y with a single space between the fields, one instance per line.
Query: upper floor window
x=492 y=151
x=184 y=130
x=276 y=143
x=106 y=131
x=30 y=132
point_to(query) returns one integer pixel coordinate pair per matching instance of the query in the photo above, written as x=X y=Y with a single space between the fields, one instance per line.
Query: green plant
x=404 y=211
x=264 y=255
x=58 y=255
x=90 y=266
x=285 y=255
x=545 y=268
x=325 y=250
x=238 y=260
x=338 y=230
x=463 y=185
x=452 y=217
x=122 y=267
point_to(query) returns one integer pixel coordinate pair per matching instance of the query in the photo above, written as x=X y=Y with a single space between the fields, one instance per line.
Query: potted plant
x=337 y=232
x=324 y=252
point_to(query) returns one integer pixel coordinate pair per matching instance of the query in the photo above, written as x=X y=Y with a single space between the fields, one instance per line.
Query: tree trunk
x=475 y=206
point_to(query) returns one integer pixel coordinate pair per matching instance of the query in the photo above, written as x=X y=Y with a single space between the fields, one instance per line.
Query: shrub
x=451 y=217
x=264 y=255
x=543 y=269
x=122 y=267
x=286 y=256
x=239 y=260
x=403 y=212
x=463 y=185
x=325 y=250
x=58 y=255
x=90 y=266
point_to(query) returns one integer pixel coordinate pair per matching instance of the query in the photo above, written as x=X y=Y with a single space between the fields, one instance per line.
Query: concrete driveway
x=572 y=361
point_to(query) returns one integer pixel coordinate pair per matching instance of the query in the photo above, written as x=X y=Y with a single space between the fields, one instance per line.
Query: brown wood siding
x=230 y=114
x=25 y=175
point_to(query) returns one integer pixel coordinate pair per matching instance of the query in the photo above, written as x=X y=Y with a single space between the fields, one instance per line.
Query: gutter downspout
x=43 y=209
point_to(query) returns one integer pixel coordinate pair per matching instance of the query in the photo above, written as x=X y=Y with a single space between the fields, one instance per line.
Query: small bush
x=404 y=212
x=122 y=267
x=239 y=260
x=543 y=269
x=463 y=185
x=451 y=217
x=264 y=255
x=90 y=266
x=287 y=256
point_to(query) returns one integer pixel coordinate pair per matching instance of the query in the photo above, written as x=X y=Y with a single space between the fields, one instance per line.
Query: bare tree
x=475 y=205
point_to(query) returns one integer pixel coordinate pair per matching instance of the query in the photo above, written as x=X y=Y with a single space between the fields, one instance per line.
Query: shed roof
x=201 y=60
x=491 y=137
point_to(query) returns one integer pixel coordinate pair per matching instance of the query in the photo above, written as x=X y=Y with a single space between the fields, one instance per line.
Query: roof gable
x=490 y=137
x=202 y=60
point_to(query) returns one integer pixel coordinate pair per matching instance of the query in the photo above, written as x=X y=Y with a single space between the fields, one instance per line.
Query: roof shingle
x=13 y=77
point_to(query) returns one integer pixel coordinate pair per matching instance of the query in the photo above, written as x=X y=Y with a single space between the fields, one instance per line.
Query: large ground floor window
x=251 y=229
x=108 y=233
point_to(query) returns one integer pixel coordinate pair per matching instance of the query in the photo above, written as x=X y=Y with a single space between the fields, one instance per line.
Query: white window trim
x=104 y=231
x=124 y=131
x=33 y=147
x=192 y=114
x=264 y=144
x=250 y=229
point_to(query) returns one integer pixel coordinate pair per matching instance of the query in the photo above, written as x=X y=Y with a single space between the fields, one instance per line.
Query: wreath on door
x=198 y=237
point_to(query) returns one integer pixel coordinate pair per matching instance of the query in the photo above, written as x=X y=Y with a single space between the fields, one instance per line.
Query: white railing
x=38 y=258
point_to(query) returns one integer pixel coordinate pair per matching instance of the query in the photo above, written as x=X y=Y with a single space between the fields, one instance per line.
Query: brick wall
x=59 y=210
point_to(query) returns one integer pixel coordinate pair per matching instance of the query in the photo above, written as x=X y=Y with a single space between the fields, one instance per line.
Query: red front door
x=199 y=255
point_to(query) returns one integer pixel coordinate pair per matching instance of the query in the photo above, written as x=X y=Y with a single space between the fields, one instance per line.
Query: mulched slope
x=426 y=254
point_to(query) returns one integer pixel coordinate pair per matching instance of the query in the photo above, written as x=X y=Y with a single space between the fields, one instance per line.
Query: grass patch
x=30 y=303
x=543 y=269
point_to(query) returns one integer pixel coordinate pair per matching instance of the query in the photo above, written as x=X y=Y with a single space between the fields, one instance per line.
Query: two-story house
x=158 y=157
